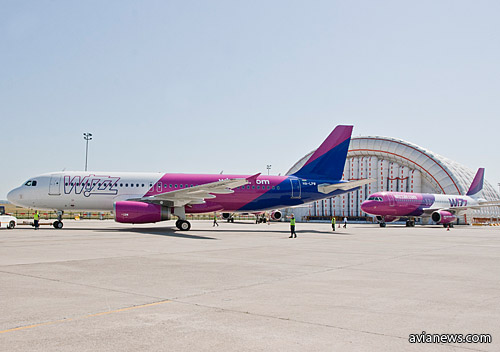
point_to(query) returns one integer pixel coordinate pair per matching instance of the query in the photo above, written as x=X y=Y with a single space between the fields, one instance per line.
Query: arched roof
x=442 y=174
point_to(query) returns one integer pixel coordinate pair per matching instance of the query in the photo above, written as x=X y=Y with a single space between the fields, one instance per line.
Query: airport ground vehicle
x=7 y=221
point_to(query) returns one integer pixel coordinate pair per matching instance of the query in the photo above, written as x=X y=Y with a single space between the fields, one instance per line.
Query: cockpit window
x=33 y=183
x=28 y=183
x=377 y=199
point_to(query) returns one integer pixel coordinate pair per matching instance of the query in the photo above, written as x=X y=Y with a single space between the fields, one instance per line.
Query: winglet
x=253 y=177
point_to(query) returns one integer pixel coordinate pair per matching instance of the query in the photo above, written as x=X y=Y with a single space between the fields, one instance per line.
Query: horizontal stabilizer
x=344 y=186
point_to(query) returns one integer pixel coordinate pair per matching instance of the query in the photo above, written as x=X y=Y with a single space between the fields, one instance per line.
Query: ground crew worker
x=333 y=223
x=36 y=218
x=345 y=222
x=292 y=227
x=215 y=220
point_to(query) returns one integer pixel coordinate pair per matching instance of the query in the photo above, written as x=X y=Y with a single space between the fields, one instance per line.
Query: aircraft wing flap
x=344 y=186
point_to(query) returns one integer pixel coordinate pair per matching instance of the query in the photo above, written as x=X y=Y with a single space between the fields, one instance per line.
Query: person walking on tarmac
x=292 y=227
x=36 y=218
x=345 y=222
x=333 y=223
x=215 y=220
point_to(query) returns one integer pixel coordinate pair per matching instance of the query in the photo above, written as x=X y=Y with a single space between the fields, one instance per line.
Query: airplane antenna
x=221 y=172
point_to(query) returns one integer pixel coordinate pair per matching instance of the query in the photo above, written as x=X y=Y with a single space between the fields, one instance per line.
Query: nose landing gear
x=58 y=224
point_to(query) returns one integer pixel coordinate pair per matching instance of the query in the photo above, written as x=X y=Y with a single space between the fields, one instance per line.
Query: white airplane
x=151 y=197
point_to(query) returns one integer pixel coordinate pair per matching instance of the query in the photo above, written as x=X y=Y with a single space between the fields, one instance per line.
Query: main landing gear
x=410 y=223
x=382 y=224
x=183 y=225
x=58 y=224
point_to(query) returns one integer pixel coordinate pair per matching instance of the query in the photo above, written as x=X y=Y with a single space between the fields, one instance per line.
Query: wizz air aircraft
x=441 y=208
x=139 y=198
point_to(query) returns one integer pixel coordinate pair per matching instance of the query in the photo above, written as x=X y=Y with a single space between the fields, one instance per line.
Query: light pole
x=88 y=137
x=268 y=168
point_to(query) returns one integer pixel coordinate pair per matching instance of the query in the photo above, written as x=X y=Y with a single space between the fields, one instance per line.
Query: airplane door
x=391 y=199
x=55 y=185
x=296 y=190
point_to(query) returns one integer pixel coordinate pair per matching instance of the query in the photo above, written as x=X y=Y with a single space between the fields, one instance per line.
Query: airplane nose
x=366 y=206
x=12 y=196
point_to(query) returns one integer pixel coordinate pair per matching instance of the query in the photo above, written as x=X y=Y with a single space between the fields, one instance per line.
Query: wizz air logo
x=91 y=184
x=457 y=202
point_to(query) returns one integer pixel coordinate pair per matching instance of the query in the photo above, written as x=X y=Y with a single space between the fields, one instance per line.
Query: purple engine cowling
x=443 y=217
x=387 y=218
x=140 y=213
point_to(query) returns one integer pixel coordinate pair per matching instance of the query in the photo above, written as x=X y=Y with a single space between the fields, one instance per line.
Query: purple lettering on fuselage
x=457 y=202
x=90 y=185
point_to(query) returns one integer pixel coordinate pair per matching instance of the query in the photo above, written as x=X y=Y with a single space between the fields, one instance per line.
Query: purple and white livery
x=442 y=209
x=152 y=197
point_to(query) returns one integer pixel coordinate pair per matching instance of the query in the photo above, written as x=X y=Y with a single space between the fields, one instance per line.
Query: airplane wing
x=196 y=194
x=344 y=186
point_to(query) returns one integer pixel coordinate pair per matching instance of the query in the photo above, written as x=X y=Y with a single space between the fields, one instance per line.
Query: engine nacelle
x=276 y=215
x=140 y=213
x=387 y=218
x=443 y=217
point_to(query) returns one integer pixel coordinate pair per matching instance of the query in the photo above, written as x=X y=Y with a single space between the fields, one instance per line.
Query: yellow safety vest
x=333 y=221
x=292 y=222
x=36 y=216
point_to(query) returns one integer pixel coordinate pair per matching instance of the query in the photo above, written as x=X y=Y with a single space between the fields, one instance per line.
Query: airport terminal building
x=397 y=166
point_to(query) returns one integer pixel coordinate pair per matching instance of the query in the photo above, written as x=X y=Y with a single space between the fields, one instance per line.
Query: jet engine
x=140 y=213
x=443 y=217
x=387 y=218
x=276 y=215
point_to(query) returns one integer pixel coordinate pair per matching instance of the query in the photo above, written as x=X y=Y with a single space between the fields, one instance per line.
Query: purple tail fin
x=327 y=162
x=477 y=184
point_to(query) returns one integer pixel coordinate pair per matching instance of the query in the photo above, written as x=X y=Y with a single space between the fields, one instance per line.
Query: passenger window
x=126 y=184
x=66 y=184
x=131 y=185
x=278 y=187
x=191 y=185
x=180 y=186
x=121 y=184
x=273 y=187
x=143 y=185
x=170 y=186
x=253 y=187
x=137 y=185
x=248 y=187
x=268 y=187
x=258 y=187
x=175 y=186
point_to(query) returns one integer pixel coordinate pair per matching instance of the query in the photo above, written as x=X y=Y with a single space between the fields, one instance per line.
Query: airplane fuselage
x=412 y=204
x=98 y=191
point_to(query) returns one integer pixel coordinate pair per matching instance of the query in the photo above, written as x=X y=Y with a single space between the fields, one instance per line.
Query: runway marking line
x=85 y=316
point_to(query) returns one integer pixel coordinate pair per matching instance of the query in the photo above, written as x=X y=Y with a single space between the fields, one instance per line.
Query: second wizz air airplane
x=152 y=197
x=441 y=208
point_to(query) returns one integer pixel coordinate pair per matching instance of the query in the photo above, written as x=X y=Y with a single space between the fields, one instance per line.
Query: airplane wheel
x=382 y=224
x=12 y=224
x=57 y=224
x=178 y=224
x=184 y=225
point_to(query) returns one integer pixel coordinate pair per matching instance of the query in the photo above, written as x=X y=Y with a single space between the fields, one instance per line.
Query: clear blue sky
x=205 y=86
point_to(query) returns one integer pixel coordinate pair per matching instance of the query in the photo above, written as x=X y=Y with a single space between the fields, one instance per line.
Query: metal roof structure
x=439 y=174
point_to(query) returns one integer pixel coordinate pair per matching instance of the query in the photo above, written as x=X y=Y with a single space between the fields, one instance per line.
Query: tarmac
x=104 y=286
